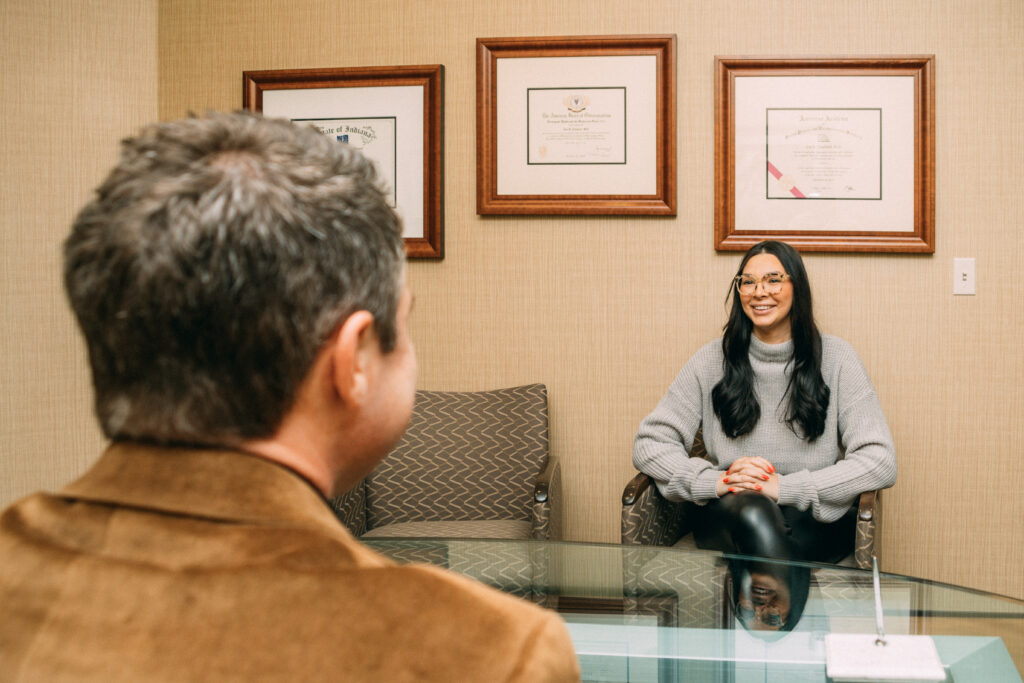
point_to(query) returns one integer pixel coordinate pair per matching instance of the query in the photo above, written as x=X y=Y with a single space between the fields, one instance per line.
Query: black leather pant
x=749 y=523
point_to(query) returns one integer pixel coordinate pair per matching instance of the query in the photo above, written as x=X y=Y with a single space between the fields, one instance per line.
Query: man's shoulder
x=455 y=622
x=459 y=624
x=448 y=593
x=306 y=599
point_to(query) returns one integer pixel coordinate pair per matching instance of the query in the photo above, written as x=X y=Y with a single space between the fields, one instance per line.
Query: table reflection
x=643 y=613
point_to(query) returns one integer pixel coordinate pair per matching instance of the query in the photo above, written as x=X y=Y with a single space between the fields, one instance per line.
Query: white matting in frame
x=627 y=128
x=824 y=153
x=401 y=104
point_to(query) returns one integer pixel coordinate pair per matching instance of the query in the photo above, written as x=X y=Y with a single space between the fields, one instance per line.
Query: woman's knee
x=758 y=527
x=753 y=509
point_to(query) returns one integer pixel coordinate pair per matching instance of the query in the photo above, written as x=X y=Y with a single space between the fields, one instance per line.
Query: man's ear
x=354 y=349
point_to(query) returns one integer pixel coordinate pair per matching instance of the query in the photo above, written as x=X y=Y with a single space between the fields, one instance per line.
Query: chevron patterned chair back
x=471 y=464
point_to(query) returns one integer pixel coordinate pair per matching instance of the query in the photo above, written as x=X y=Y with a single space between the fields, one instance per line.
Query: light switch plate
x=963 y=276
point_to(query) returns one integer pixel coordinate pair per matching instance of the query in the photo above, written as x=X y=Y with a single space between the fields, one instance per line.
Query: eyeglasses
x=768 y=615
x=771 y=282
x=760 y=604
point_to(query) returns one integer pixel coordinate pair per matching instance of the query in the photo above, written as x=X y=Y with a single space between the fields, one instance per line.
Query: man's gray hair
x=216 y=259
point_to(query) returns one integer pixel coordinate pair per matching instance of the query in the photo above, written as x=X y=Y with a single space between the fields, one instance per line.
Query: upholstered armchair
x=650 y=519
x=471 y=465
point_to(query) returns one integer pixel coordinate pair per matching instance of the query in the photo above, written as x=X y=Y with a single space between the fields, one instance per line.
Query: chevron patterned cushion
x=465 y=456
x=491 y=528
x=687 y=542
x=698 y=583
x=516 y=568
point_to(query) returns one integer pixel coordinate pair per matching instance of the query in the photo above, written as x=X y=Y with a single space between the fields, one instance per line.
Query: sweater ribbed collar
x=771 y=353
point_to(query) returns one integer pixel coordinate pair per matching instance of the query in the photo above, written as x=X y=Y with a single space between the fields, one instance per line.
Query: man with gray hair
x=240 y=284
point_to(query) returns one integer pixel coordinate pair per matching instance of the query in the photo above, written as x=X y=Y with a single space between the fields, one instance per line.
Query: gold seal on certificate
x=374 y=137
x=824 y=153
x=576 y=125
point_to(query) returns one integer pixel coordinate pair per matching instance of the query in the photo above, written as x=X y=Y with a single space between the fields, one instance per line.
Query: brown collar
x=214 y=484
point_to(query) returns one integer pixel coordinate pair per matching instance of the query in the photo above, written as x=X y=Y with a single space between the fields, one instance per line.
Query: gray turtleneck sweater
x=853 y=455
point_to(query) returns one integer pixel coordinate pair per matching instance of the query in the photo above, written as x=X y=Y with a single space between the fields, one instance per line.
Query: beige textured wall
x=603 y=310
x=606 y=310
x=75 y=77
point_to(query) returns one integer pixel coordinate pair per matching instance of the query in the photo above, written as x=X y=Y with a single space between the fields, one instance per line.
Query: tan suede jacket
x=187 y=565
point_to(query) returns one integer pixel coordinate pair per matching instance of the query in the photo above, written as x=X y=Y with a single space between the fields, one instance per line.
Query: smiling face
x=768 y=312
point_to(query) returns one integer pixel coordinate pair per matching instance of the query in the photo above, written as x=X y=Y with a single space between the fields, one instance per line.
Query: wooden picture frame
x=576 y=125
x=825 y=153
x=394 y=113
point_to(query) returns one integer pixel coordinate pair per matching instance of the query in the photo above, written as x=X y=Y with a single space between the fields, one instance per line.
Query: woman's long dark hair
x=733 y=397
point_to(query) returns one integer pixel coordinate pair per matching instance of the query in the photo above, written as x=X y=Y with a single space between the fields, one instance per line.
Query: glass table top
x=643 y=613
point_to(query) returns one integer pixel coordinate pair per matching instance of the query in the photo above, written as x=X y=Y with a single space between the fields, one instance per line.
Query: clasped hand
x=749 y=473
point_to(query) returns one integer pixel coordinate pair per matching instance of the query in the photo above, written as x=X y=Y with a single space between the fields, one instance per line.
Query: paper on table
x=859 y=657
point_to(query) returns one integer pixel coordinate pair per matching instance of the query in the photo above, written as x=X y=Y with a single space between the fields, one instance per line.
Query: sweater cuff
x=704 y=485
x=796 y=490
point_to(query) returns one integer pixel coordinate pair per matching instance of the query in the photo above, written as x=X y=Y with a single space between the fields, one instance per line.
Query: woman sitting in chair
x=792 y=426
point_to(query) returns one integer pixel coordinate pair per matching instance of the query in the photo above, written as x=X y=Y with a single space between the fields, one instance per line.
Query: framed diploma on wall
x=576 y=125
x=393 y=115
x=826 y=153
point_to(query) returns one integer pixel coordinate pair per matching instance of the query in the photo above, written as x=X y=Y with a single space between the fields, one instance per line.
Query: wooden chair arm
x=546 y=507
x=648 y=518
x=542 y=487
x=868 y=542
x=866 y=506
x=636 y=486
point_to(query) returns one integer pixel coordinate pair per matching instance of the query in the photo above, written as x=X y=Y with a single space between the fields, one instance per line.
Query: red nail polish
x=732 y=490
x=726 y=480
x=758 y=487
x=766 y=477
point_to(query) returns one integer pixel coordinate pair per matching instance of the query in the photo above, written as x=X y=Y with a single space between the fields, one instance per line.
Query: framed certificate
x=576 y=125
x=393 y=115
x=826 y=153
